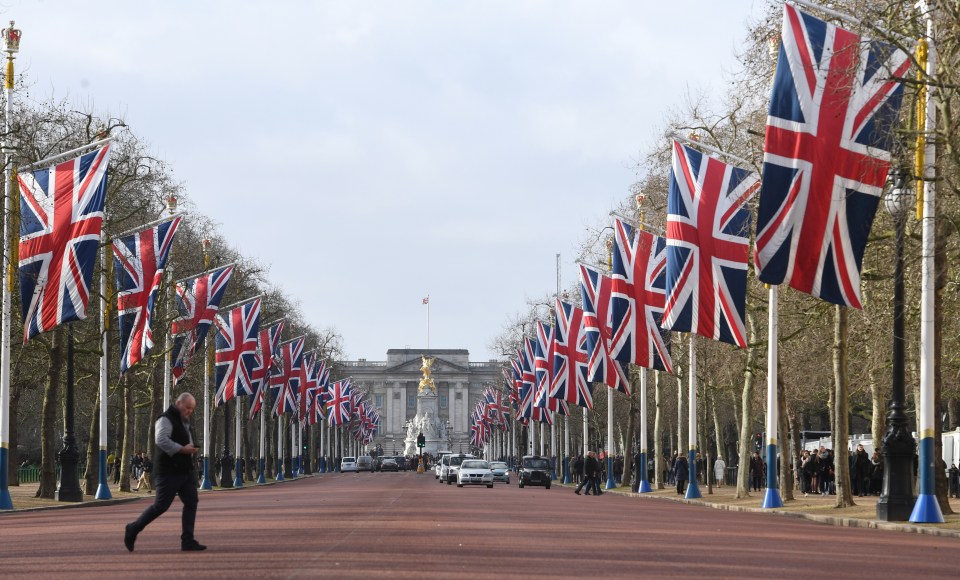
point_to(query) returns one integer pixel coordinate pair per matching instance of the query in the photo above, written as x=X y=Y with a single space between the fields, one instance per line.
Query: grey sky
x=372 y=152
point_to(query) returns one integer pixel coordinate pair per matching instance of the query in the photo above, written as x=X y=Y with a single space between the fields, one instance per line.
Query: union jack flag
x=236 y=352
x=570 y=363
x=826 y=155
x=708 y=246
x=528 y=379
x=338 y=406
x=285 y=386
x=268 y=351
x=543 y=405
x=139 y=261
x=197 y=301
x=637 y=298
x=61 y=218
x=601 y=366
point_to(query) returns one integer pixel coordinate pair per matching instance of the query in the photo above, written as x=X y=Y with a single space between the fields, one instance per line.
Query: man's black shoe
x=193 y=547
x=576 y=492
x=129 y=537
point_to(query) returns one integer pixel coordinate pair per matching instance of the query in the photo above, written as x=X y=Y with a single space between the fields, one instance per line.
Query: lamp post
x=897 y=500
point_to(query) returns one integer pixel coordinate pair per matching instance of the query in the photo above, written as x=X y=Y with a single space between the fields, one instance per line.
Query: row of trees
x=139 y=187
x=834 y=370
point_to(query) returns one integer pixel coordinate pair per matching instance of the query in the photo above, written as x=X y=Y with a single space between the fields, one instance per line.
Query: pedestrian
x=594 y=470
x=681 y=470
x=578 y=469
x=137 y=464
x=146 y=466
x=876 y=475
x=719 y=468
x=756 y=471
x=862 y=468
x=175 y=473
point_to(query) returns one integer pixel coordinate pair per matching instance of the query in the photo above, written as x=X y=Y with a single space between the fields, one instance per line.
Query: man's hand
x=189 y=449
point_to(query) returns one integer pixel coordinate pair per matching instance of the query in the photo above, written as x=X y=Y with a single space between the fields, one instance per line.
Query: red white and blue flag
x=595 y=296
x=268 y=351
x=284 y=386
x=61 y=219
x=528 y=379
x=340 y=402
x=543 y=405
x=826 y=154
x=139 y=261
x=236 y=351
x=637 y=298
x=708 y=246
x=197 y=301
x=570 y=360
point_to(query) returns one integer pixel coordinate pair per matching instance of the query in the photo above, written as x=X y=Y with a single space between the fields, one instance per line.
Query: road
x=409 y=525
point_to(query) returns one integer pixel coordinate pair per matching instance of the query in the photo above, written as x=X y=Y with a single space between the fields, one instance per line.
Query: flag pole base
x=926 y=510
x=644 y=487
x=566 y=471
x=103 y=489
x=261 y=478
x=237 y=480
x=5 y=502
x=771 y=499
x=693 y=488
x=205 y=482
x=611 y=482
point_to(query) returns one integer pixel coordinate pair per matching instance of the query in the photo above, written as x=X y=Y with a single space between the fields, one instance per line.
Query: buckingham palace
x=392 y=387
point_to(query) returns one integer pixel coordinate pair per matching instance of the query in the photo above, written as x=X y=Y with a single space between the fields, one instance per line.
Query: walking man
x=175 y=473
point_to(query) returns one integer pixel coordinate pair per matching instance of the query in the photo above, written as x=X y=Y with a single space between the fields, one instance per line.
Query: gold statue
x=426 y=383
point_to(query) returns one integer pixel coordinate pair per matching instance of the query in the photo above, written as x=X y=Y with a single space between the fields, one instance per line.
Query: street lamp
x=897 y=500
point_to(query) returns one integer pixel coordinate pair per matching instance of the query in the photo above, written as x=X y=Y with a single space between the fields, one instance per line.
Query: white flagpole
x=294 y=467
x=279 y=448
x=693 y=490
x=205 y=483
x=644 y=486
x=262 y=463
x=771 y=498
x=927 y=508
x=103 y=489
x=610 y=481
x=11 y=45
x=237 y=479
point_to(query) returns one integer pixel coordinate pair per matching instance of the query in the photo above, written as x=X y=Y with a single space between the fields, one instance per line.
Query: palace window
x=443 y=401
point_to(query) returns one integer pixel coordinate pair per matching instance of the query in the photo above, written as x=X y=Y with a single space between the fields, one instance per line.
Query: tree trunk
x=681 y=444
x=717 y=433
x=783 y=443
x=126 y=458
x=657 y=434
x=91 y=476
x=245 y=434
x=841 y=413
x=269 y=459
x=746 y=419
x=795 y=435
x=705 y=439
x=13 y=468
x=633 y=422
x=48 y=421
x=878 y=399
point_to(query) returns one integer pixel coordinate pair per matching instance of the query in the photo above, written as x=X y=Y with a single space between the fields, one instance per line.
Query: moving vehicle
x=348 y=464
x=389 y=464
x=534 y=470
x=474 y=472
x=364 y=463
x=500 y=471
x=449 y=466
x=436 y=467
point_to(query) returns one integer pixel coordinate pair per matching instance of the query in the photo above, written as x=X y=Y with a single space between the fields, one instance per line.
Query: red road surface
x=409 y=525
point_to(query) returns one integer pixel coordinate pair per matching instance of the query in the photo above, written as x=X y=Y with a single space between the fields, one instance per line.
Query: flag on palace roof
x=197 y=300
x=236 y=350
x=829 y=132
x=61 y=219
x=139 y=262
x=637 y=298
x=708 y=246
x=570 y=361
x=595 y=296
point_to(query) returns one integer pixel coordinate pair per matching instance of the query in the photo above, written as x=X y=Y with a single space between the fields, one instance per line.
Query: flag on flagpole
x=61 y=220
x=236 y=351
x=708 y=246
x=426 y=300
x=826 y=153
x=595 y=296
x=197 y=301
x=570 y=362
x=268 y=351
x=140 y=259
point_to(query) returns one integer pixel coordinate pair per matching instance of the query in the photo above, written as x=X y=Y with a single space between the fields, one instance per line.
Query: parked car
x=534 y=470
x=364 y=463
x=348 y=464
x=474 y=472
x=389 y=464
x=500 y=471
x=449 y=466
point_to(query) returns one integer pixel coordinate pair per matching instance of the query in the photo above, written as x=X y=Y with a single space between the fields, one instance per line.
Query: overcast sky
x=375 y=152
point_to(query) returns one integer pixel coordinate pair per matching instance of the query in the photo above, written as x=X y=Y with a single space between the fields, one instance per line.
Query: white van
x=348 y=464
x=449 y=466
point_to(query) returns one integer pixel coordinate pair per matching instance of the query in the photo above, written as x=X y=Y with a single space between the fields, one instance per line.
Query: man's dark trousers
x=168 y=487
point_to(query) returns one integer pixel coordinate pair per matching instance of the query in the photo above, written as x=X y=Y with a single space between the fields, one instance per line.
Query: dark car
x=534 y=470
x=402 y=462
x=389 y=464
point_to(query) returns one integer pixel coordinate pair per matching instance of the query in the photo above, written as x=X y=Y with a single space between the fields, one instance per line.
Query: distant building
x=392 y=385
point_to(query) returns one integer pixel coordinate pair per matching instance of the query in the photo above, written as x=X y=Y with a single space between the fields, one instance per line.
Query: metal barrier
x=31 y=474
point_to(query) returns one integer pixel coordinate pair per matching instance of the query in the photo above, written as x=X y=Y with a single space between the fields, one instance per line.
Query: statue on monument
x=426 y=383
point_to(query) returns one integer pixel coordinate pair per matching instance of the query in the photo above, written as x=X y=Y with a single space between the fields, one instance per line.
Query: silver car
x=474 y=472
x=500 y=471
